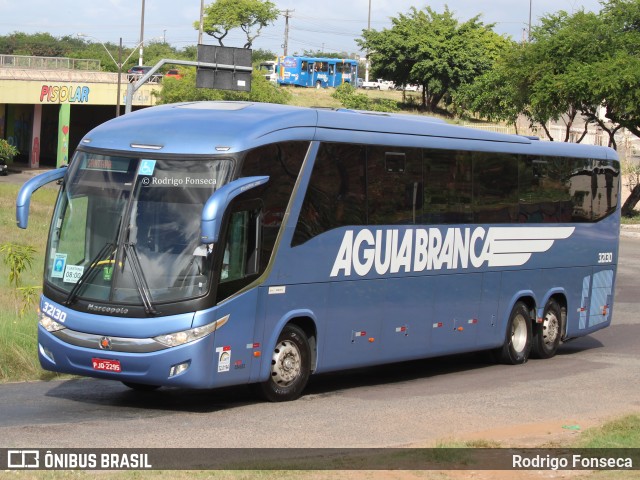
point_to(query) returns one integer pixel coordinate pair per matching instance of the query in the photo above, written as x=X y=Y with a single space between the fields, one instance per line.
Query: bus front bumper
x=181 y=366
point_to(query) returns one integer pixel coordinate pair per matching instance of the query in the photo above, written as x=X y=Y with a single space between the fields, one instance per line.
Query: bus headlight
x=49 y=324
x=191 y=335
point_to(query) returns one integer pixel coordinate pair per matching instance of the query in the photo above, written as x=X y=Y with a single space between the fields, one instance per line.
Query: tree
x=223 y=16
x=38 y=44
x=618 y=76
x=542 y=80
x=575 y=65
x=185 y=90
x=433 y=50
x=261 y=55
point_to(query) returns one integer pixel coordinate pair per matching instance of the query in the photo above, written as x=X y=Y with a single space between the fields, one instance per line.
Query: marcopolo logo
x=420 y=249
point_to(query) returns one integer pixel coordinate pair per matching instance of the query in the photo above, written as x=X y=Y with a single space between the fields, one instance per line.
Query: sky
x=327 y=25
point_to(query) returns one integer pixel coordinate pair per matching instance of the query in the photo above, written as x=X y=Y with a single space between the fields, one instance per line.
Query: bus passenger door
x=312 y=74
x=238 y=265
x=331 y=81
x=306 y=74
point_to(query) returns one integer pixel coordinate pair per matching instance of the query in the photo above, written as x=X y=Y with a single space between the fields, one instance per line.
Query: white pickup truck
x=379 y=84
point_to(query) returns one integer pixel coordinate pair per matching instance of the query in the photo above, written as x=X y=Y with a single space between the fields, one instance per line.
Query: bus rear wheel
x=547 y=334
x=290 y=366
x=517 y=345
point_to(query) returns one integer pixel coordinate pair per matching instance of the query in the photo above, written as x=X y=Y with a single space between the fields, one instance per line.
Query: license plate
x=106 y=365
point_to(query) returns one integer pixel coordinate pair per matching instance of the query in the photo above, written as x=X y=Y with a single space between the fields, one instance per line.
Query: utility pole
x=285 y=46
x=141 y=35
x=366 y=65
x=529 y=36
x=201 y=29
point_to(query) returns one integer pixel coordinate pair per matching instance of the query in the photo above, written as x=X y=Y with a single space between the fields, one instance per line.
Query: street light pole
x=119 y=64
x=119 y=77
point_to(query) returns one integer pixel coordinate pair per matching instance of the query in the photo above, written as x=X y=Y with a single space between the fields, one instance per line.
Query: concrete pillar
x=63 y=135
x=34 y=157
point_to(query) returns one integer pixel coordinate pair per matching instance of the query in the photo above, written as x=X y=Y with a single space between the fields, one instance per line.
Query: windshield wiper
x=90 y=272
x=139 y=278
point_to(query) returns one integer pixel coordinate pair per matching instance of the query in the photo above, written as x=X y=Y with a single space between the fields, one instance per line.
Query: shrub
x=7 y=151
x=350 y=98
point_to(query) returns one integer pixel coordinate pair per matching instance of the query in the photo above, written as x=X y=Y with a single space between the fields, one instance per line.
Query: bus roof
x=227 y=127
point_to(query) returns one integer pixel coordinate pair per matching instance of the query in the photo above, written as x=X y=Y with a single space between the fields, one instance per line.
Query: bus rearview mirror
x=215 y=207
x=23 y=201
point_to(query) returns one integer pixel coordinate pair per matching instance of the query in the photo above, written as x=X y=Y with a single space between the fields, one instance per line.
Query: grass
x=18 y=344
x=633 y=220
x=620 y=433
x=312 y=97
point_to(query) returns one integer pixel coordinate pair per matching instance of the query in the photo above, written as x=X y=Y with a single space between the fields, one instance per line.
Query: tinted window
x=495 y=188
x=593 y=186
x=447 y=186
x=394 y=185
x=379 y=185
x=544 y=193
x=336 y=193
x=282 y=163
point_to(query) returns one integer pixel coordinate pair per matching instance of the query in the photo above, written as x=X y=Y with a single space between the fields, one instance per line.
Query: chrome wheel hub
x=285 y=363
x=550 y=328
x=519 y=333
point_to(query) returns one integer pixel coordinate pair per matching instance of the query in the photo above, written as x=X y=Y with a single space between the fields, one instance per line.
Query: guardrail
x=49 y=63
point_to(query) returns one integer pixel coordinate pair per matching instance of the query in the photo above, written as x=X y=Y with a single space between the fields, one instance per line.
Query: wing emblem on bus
x=512 y=247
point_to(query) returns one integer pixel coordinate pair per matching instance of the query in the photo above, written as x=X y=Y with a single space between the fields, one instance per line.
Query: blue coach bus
x=220 y=243
x=317 y=72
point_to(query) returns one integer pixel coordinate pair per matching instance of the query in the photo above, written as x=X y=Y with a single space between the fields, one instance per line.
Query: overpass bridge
x=47 y=104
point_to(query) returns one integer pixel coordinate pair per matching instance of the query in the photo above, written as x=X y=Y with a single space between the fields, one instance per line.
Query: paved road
x=591 y=379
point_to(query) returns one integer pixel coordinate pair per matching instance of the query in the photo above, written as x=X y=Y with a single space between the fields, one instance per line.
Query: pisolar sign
x=31 y=92
x=64 y=94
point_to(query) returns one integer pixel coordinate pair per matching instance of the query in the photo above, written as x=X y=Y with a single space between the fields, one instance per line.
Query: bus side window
x=241 y=246
x=336 y=195
x=241 y=256
x=394 y=185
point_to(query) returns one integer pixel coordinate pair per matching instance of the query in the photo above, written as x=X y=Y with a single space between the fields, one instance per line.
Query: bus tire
x=141 y=387
x=290 y=366
x=546 y=335
x=518 y=340
x=318 y=85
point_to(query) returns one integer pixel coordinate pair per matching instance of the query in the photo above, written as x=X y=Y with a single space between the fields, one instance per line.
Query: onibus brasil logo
x=418 y=249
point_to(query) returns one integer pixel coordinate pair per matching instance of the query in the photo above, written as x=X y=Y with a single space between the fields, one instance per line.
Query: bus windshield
x=127 y=228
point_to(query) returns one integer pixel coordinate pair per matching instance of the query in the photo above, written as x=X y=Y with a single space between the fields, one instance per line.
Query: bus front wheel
x=547 y=334
x=290 y=366
x=517 y=345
